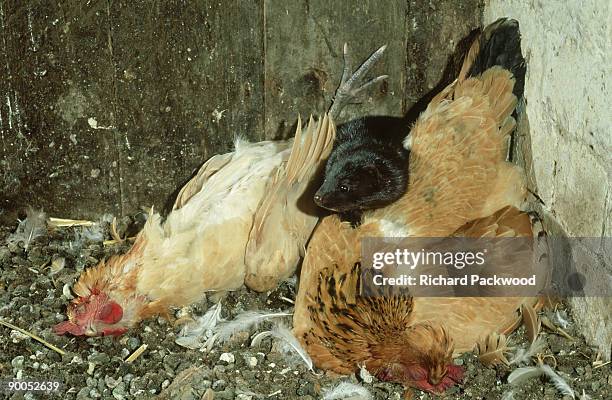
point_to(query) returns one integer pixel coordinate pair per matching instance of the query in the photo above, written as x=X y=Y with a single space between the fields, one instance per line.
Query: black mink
x=368 y=166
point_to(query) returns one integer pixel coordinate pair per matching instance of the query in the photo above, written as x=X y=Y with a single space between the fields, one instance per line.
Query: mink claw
x=350 y=89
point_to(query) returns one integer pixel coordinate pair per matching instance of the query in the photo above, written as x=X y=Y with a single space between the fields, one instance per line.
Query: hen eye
x=344 y=188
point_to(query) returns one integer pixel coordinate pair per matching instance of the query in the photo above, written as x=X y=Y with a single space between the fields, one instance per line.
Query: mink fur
x=368 y=166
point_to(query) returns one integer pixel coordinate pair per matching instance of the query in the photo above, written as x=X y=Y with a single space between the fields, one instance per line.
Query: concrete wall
x=567 y=47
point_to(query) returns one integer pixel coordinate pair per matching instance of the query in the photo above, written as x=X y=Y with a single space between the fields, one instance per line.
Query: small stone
x=99 y=358
x=17 y=336
x=228 y=358
x=119 y=391
x=172 y=361
x=133 y=343
x=219 y=370
x=66 y=292
x=252 y=362
x=5 y=254
x=83 y=394
x=111 y=382
x=90 y=368
x=227 y=394
x=219 y=384
x=17 y=362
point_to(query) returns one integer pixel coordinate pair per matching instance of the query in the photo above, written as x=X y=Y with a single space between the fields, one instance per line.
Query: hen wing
x=468 y=319
x=458 y=171
x=287 y=215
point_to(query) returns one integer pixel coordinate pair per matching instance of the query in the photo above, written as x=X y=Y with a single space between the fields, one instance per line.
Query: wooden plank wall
x=107 y=106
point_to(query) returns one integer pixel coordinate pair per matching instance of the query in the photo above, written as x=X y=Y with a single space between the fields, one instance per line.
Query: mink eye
x=344 y=188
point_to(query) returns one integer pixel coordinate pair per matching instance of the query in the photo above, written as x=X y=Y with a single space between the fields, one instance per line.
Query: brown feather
x=208 y=169
x=287 y=216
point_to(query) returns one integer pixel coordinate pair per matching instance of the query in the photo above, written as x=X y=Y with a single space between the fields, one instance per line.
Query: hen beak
x=91 y=331
x=435 y=380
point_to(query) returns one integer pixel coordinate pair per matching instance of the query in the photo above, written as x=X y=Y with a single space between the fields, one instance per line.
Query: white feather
x=242 y=322
x=290 y=343
x=33 y=226
x=561 y=319
x=523 y=374
x=585 y=396
x=523 y=356
x=193 y=334
x=94 y=233
x=365 y=375
x=345 y=390
x=562 y=386
x=86 y=234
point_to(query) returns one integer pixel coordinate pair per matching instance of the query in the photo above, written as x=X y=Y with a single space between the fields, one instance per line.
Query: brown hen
x=397 y=337
x=461 y=185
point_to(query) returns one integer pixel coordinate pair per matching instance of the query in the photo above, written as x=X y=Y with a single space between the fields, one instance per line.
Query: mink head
x=362 y=179
x=94 y=315
x=426 y=362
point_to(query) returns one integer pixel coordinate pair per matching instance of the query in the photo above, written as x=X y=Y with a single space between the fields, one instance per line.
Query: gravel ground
x=33 y=289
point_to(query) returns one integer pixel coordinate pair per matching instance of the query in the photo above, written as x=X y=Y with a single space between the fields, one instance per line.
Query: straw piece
x=33 y=336
x=66 y=222
x=136 y=353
